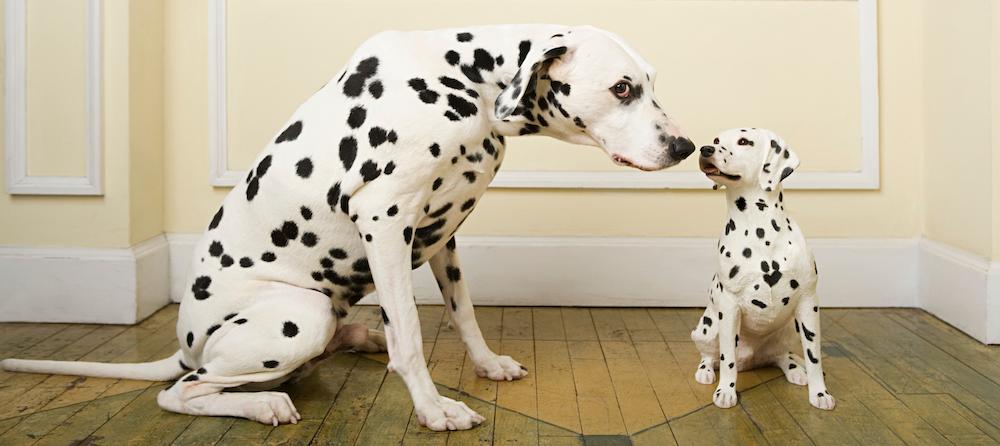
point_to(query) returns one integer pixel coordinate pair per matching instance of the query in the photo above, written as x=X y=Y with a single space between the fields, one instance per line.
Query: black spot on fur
x=215 y=249
x=190 y=378
x=209 y=333
x=451 y=57
x=734 y=271
x=190 y=339
x=407 y=234
x=309 y=239
x=290 y=133
x=306 y=213
x=793 y=283
x=226 y=261
x=812 y=358
x=392 y=210
x=461 y=106
x=758 y=303
x=268 y=257
x=454 y=274
x=435 y=150
x=348 y=151
x=369 y=171
x=522 y=51
x=271 y=364
x=304 y=167
x=437 y=183
x=357 y=117
x=463 y=37
x=451 y=82
x=246 y=262
x=376 y=89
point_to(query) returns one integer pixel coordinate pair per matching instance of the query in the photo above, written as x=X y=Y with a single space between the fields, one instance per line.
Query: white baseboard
x=126 y=285
x=960 y=288
x=117 y=286
x=657 y=272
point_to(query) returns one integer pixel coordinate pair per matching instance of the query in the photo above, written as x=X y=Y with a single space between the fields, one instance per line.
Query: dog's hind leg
x=285 y=328
x=448 y=272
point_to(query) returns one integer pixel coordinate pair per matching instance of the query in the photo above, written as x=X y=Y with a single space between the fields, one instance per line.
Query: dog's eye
x=622 y=90
x=744 y=142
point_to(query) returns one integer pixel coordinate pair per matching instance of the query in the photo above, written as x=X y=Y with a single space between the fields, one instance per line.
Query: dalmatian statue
x=370 y=178
x=766 y=282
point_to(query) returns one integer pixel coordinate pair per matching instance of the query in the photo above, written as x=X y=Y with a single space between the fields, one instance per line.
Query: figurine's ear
x=535 y=63
x=780 y=162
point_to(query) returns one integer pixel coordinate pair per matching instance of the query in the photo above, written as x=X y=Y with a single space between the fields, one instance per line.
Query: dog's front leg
x=455 y=292
x=807 y=326
x=729 y=334
x=388 y=245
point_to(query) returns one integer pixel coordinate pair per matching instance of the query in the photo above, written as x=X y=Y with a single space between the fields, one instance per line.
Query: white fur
x=765 y=288
x=372 y=175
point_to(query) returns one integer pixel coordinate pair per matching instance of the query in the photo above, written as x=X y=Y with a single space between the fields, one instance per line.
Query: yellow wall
x=958 y=169
x=936 y=59
x=889 y=212
x=131 y=208
x=146 y=131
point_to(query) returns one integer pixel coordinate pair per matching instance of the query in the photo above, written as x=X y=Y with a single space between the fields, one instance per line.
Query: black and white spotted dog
x=767 y=275
x=370 y=178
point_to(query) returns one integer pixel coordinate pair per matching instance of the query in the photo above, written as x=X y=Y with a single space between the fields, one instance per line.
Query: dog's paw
x=725 y=397
x=501 y=368
x=704 y=374
x=822 y=400
x=796 y=376
x=272 y=408
x=446 y=414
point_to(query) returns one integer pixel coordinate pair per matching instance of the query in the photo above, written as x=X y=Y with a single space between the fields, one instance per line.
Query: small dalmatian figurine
x=766 y=282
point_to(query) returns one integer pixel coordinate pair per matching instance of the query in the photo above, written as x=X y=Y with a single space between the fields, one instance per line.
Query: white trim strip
x=18 y=180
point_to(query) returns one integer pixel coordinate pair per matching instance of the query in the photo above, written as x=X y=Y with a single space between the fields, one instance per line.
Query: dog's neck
x=755 y=204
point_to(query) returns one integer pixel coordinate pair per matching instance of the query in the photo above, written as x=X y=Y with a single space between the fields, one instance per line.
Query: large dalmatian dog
x=767 y=274
x=370 y=178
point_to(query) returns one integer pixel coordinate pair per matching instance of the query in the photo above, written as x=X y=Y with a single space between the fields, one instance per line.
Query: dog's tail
x=166 y=369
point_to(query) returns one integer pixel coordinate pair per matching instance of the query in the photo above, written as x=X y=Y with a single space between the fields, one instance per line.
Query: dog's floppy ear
x=534 y=61
x=779 y=162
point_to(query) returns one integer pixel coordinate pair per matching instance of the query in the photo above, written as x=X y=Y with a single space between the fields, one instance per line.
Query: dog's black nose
x=680 y=148
x=707 y=151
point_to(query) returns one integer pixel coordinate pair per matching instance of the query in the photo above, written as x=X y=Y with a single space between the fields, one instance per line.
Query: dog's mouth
x=712 y=171
x=622 y=161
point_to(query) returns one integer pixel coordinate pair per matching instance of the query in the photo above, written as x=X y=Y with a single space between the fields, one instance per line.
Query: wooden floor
x=598 y=376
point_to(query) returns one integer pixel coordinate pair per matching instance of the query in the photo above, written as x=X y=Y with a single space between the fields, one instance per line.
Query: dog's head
x=742 y=158
x=586 y=86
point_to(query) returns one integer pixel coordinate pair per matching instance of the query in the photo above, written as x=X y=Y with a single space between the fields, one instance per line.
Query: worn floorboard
x=612 y=376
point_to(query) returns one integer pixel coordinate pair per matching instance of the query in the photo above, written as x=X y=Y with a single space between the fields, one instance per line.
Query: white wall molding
x=624 y=271
x=116 y=286
x=18 y=180
x=960 y=288
x=866 y=177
